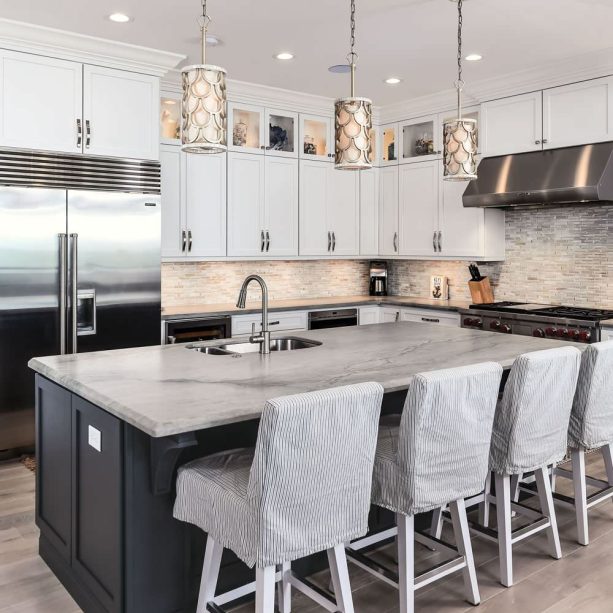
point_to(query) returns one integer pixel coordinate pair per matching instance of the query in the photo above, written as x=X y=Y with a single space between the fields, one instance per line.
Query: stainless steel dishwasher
x=318 y=320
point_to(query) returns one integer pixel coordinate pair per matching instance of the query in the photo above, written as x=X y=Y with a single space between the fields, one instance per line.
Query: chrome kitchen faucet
x=264 y=336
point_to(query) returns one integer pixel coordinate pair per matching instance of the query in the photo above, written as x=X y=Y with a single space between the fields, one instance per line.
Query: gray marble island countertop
x=166 y=390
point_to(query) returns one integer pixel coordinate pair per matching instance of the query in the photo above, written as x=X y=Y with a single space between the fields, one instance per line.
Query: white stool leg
x=515 y=479
x=406 y=562
x=210 y=573
x=265 y=589
x=607 y=455
x=284 y=589
x=577 y=457
x=484 y=507
x=340 y=578
x=436 y=527
x=543 y=485
x=503 y=515
x=464 y=545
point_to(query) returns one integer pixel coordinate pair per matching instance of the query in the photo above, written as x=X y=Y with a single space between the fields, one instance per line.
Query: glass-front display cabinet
x=170 y=119
x=281 y=133
x=421 y=139
x=388 y=144
x=316 y=138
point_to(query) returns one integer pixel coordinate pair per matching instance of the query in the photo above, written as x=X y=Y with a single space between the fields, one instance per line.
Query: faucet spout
x=264 y=337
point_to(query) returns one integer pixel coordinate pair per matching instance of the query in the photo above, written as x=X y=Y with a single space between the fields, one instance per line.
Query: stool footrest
x=322 y=597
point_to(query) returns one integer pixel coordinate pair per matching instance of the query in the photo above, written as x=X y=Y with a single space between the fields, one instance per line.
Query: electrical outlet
x=94 y=438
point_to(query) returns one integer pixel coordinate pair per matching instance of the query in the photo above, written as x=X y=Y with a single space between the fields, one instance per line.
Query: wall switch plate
x=94 y=438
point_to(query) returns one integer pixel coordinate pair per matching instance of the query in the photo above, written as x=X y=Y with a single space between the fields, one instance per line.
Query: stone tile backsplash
x=554 y=255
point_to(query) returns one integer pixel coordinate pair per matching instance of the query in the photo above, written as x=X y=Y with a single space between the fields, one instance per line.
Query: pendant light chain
x=460 y=83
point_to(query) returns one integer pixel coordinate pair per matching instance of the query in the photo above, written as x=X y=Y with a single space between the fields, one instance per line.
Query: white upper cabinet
x=578 y=114
x=281 y=133
x=420 y=139
x=316 y=138
x=315 y=236
x=40 y=103
x=343 y=211
x=419 y=202
x=369 y=211
x=193 y=204
x=205 y=204
x=120 y=113
x=388 y=211
x=246 y=197
x=512 y=125
x=281 y=207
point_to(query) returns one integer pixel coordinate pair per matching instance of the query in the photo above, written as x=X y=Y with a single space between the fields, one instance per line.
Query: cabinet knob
x=545 y=141
x=537 y=142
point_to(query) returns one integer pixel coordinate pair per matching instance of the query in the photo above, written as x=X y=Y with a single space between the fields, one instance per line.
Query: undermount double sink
x=287 y=343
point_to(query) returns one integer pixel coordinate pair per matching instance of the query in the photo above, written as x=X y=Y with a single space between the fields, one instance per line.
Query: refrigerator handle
x=74 y=261
x=63 y=290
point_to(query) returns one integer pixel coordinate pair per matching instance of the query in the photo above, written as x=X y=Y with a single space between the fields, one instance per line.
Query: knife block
x=481 y=291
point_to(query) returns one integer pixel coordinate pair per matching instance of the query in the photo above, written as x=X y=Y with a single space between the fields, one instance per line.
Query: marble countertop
x=166 y=390
x=208 y=310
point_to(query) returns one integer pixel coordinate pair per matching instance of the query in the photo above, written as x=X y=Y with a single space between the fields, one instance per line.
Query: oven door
x=318 y=320
x=195 y=330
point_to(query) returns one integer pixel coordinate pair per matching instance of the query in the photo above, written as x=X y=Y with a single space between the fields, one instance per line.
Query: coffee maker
x=378 y=279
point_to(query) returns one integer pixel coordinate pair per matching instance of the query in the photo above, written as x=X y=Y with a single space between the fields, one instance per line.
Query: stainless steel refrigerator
x=79 y=267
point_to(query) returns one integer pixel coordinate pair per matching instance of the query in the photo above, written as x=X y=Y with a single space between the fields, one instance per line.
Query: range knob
x=563 y=333
x=476 y=323
x=551 y=331
x=575 y=334
x=506 y=329
x=495 y=325
x=585 y=336
x=538 y=333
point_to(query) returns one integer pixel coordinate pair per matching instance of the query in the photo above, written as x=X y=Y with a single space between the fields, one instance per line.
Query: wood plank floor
x=581 y=581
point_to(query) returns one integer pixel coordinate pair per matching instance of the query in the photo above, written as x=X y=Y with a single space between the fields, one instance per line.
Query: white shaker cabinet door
x=315 y=237
x=120 y=113
x=205 y=204
x=512 y=125
x=418 y=201
x=369 y=212
x=281 y=217
x=246 y=197
x=343 y=211
x=388 y=211
x=174 y=239
x=389 y=315
x=40 y=102
x=578 y=114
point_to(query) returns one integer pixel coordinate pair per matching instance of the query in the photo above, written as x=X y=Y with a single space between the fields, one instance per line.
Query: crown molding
x=30 y=38
x=579 y=68
x=267 y=96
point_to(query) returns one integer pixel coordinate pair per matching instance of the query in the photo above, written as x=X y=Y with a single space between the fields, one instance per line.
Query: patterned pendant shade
x=353 y=121
x=204 y=109
x=204 y=114
x=353 y=124
x=460 y=134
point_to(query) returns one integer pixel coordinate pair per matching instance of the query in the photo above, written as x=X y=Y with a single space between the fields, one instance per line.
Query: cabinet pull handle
x=431 y=320
x=88 y=134
x=434 y=241
x=329 y=241
x=397 y=316
x=262 y=241
x=79 y=133
x=545 y=141
x=333 y=241
x=189 y=241
x=396 y=242
x=440 y=241
x=267 y=241
x=537 y=142
x=183 y=240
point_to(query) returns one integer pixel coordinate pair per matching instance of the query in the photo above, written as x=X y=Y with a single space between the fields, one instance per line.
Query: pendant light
x=460 y=134
x=353 y=121
x=204 y=105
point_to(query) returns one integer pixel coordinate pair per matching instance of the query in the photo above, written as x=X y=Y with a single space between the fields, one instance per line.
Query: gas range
x=581 y=325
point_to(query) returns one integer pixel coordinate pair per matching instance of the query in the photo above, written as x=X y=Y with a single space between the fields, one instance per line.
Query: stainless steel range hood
x=572 y=175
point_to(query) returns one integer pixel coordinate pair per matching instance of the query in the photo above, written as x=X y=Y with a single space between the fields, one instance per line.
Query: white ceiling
x=412 y=39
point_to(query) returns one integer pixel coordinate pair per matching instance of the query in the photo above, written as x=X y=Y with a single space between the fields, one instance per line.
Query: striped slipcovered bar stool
x=591 y=428
x=529 y=436
x=434 y=455
x=305 y=488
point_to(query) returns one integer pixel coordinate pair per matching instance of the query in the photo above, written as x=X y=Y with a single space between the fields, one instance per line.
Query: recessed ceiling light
x=340 y=68
x=169 y=102
x=284 y=56
x=393 y=81
x=119 y=18
x=213 y=41
x=473 y=57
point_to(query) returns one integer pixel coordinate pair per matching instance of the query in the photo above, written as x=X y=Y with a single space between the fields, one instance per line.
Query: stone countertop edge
x=168 y=390
x=299 y=304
